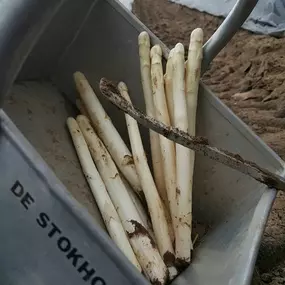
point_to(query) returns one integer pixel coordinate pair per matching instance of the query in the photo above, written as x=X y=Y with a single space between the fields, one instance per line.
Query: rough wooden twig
x=198 y=144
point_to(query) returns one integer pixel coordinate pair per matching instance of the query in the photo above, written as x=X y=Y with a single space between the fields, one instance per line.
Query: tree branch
x=199 y=144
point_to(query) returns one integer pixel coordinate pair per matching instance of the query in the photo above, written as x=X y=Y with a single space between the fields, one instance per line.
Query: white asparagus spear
x=168 y=87
x=105 y=205
x=183 y=243
x=153 y=199
x=107 y=132
x=195 y=56
x=139 y=206
x=193 y=70
x=144 y=51
x=167 y=146
x=141 y=241
x=80 y=106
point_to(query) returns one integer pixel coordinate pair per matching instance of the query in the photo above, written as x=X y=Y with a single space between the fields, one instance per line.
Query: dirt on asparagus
x=248 y=75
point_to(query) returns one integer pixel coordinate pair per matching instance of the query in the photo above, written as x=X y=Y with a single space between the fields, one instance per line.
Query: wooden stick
x=153 y=199
x=105 y=205
x=107 y=132
x=140 y=239
x=144 y=51
x=183 y=243
x=167 y=146
x=198 y=144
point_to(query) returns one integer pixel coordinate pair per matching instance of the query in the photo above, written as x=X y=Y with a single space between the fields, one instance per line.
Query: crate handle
x=227 y=30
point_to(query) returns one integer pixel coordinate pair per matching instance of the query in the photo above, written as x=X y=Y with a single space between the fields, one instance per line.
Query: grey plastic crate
x=47 y=237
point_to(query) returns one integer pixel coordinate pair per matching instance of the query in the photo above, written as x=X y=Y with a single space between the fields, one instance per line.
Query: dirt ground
x=248 y=75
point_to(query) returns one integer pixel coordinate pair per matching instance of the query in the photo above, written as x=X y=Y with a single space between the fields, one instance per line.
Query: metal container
x=47 y=236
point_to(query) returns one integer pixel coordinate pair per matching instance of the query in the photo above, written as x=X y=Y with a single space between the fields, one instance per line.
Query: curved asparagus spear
x=167 y=146
x=153 y=200
x=140 y=239
x=144 y=51
x=107 y=132
x=107 y=209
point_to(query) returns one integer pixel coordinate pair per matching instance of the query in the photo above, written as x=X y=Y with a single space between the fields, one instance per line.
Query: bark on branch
x=199 y=144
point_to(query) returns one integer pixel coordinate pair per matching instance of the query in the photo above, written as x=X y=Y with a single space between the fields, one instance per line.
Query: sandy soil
x=248 y=75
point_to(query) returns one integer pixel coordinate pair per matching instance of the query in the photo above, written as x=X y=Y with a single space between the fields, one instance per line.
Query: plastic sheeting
x=127 y=3
x=268 y=17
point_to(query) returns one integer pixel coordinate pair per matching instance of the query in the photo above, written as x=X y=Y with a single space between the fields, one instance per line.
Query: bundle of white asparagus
x=148 y=216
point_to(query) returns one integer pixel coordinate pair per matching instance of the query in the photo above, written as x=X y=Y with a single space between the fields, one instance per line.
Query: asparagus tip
x=143 y=38
x=78 y=75
x=70 y=120
x=179 y=48
x=197 y=34
x=155 y=50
